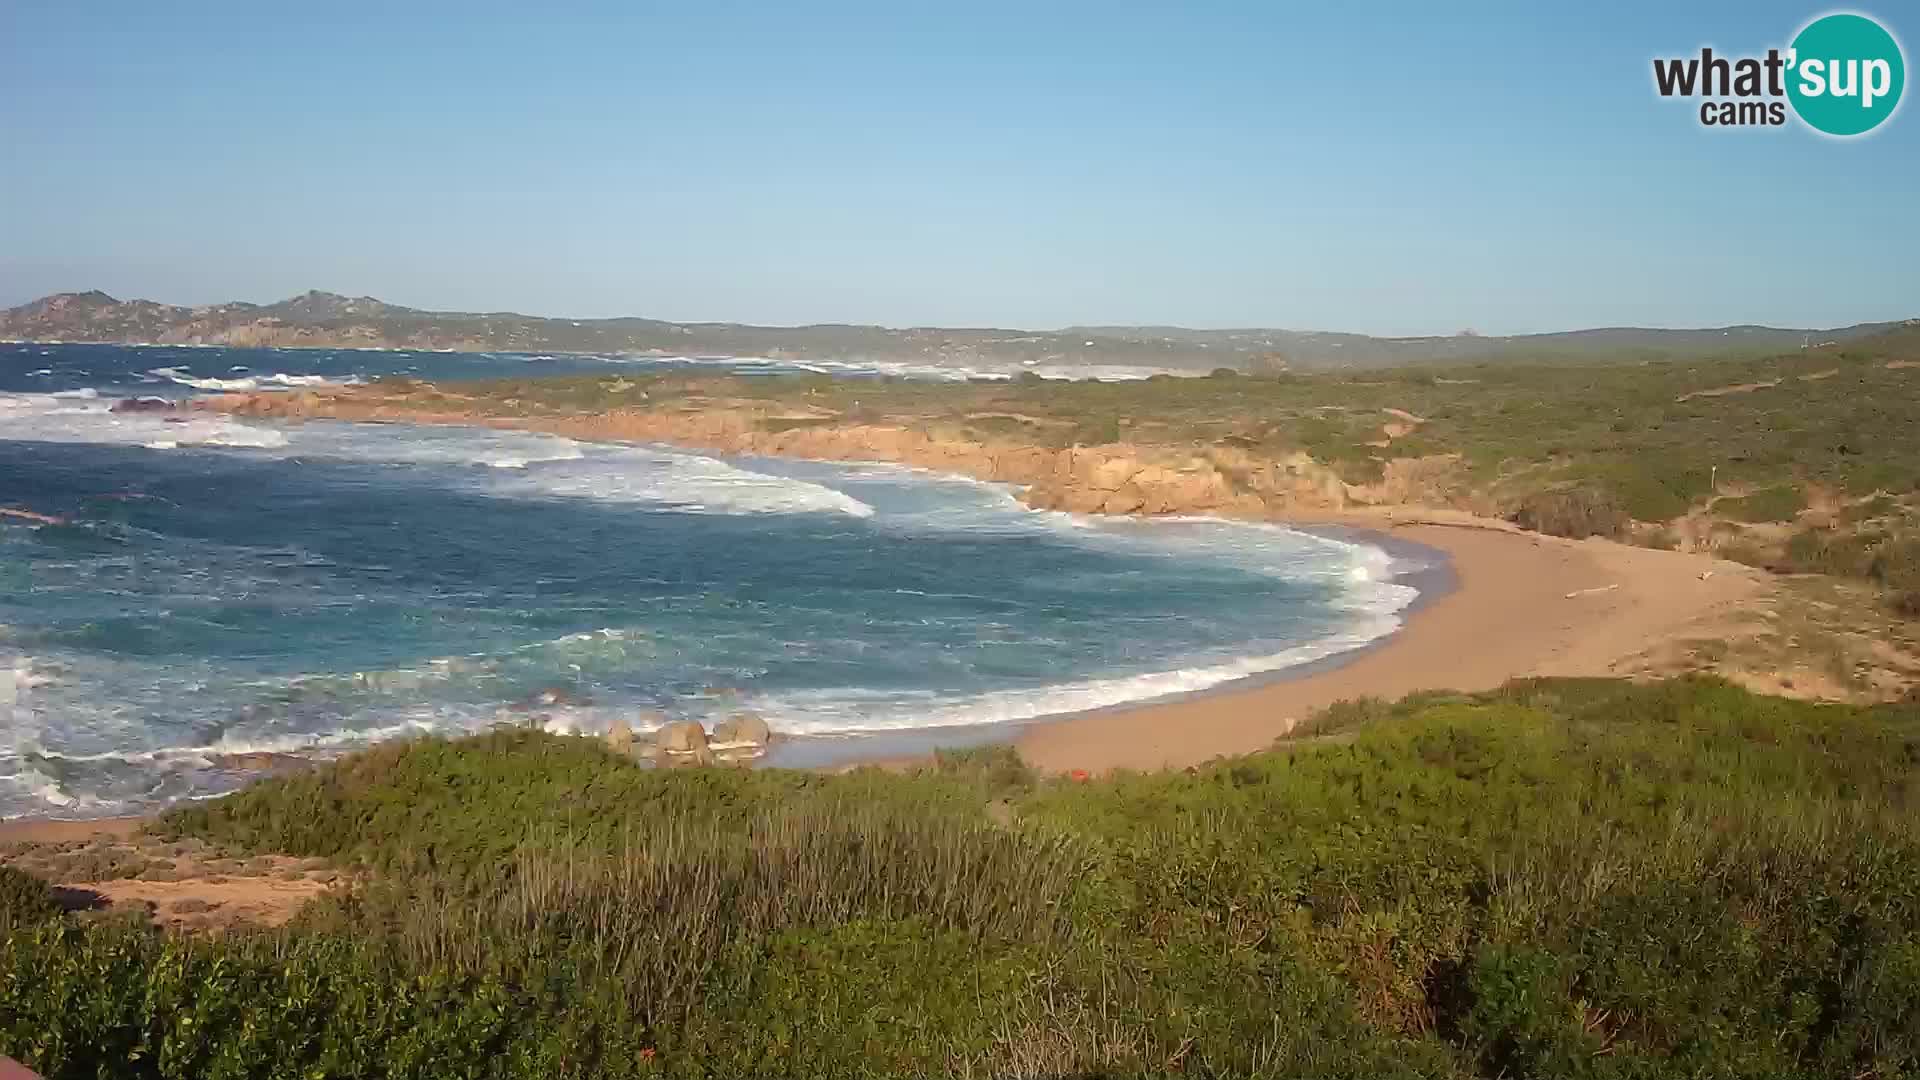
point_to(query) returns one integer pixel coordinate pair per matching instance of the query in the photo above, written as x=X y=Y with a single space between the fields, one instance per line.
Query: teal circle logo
x=1844 y=74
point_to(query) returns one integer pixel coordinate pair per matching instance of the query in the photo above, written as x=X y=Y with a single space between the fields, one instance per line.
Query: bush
x=1823 y=551
x=25 y=898
x=1896 y=564
x=1782 y=503
x=1097 y=432
x=1559 y=878
x=1577 y=513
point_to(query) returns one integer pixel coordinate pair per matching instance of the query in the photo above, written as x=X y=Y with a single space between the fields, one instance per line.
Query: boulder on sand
x=681 y=737
x=620 y=736
x=743 y=728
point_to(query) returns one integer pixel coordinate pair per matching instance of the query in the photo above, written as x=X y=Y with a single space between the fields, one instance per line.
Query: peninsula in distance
x=328 y=320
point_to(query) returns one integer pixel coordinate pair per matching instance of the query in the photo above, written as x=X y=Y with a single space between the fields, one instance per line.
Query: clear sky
x=1387 y=168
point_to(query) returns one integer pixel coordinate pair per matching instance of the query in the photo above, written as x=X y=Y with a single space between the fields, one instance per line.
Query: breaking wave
x=275 y=379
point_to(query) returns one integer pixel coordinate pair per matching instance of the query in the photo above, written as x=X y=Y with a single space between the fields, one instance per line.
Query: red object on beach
x=1080 y=775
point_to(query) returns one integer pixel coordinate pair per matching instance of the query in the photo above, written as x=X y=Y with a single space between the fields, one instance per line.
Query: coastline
x=1508 y=604
x=1522 y=605
x=1432 y=577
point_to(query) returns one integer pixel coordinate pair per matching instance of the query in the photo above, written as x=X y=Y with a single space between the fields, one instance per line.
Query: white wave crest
x=899 y=369
x=852 y=712
x=250 y=382
x=38 y=787
x=686 y=482
x=89 y=419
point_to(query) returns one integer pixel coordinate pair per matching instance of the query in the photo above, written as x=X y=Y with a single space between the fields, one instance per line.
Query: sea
x=206 y=587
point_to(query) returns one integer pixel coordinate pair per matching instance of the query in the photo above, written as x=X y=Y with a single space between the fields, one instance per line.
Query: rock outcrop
x=681 y=737
x=744 y=729
x=1116 y=478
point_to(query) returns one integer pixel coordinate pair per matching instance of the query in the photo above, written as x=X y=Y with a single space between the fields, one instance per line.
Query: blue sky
x=1386 y=168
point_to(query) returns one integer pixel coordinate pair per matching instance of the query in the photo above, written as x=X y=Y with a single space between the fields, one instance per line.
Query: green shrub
x=998 y=767
x=1577 y=513
x=1782 y=503
x=1652 y=489
x=25 y=898
x=1558 y=878
x=1896 y=563
x=1097 y=432
x=1823 y=551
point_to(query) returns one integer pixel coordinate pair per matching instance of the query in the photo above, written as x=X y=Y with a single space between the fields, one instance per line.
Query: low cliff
x=1114 y=478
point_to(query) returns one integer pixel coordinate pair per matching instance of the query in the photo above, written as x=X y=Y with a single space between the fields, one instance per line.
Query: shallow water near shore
x=222 y=587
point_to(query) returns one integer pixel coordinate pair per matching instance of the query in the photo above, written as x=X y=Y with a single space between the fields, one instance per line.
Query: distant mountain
x=328 y=320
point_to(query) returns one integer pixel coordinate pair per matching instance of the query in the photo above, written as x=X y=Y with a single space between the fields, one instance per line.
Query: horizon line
x=1464 y=333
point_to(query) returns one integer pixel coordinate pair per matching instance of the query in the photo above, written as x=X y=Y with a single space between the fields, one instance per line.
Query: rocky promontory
x=1114 y=478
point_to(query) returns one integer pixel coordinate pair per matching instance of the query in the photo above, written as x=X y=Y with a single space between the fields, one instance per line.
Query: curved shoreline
x=1517 y=604
x=1432 y=580
x=1524 y=605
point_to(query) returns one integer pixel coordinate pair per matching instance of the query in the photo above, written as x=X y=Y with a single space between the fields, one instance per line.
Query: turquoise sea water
x=222 y=586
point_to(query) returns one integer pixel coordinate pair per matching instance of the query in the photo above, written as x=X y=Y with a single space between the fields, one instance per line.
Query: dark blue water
x=174 y=370
x=215 y=586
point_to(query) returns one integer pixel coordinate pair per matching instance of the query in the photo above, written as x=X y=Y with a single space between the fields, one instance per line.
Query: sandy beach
x=1523 y=605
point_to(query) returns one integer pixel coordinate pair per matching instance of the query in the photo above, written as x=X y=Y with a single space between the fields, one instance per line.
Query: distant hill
x=328 y=320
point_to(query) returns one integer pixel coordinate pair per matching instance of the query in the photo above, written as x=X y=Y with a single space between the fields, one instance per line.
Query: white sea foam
x=250 y=382
x=38 y=787
x=76 y=418
x=434 y=445
x=420 y=722
x=532 y=465
x=919 y=370
x=516 y=464
x=683 y=481
x=853 y=712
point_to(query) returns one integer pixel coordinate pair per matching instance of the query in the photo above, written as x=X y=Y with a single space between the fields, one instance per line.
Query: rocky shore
x=1116 y=478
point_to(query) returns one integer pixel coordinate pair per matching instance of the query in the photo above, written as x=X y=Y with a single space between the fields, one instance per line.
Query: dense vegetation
x=1564 y=878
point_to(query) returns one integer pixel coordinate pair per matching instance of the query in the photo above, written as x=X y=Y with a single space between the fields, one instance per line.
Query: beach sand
x=1523 y=604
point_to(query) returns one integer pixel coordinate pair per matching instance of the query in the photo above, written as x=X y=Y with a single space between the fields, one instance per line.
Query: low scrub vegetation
x=1578 y=514
x=24 y=899
x=1563 y=878
x=1891 y=560
x=1781 y=503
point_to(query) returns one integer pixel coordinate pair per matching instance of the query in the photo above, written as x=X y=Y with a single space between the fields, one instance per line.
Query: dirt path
x=110 y=866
